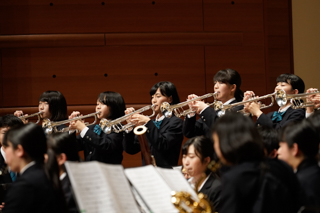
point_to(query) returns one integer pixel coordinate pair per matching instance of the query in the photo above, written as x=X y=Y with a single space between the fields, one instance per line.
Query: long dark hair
x=57 y=104
x=167 y=89
x=115 y=103
x=239 y=140
x=230 y=76
x=295 y=81
x=34 y=142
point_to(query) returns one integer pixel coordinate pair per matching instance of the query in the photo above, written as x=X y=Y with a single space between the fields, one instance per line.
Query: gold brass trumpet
x=24 y=117
x=178 y=110
x=224 y=108
x=117 y=126
x=297 y=100
x=51 y=127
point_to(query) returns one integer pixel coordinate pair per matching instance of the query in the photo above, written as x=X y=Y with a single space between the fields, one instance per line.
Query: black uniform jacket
x=289 y=116
x=106 y=148
x=31 y=192
x=165 y=143
x=212 y=188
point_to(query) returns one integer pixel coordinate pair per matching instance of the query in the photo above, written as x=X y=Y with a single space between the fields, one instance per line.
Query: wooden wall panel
x=1 y=81
x=86 y=16
x=238 y=15
x=82 y=73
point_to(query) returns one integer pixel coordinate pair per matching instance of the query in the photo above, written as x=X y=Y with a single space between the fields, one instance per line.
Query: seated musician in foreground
x=196 y=155
x=248 y=186
x=227 y=86
x=98 y=145
x=291 y=84
x=164 y=135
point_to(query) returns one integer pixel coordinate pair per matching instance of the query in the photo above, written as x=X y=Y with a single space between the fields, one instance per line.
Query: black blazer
x=289 y=116
x=31 y=192
x=308 y=174
x=202 y=126
x=212 y=188
x=70 y=200
x=5 y=175
x=165 y=143
x=106 y=148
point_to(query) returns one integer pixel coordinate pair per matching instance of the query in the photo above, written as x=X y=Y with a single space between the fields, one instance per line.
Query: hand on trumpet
x=313 y=98
x=77 y=124
x=19 y=113
x=196 y=106
x=252 y=107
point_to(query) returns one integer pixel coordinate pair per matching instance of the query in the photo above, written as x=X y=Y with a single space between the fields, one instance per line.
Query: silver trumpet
x=297 y=100
x=51 y=126
x=224 y=108
x=178 y=110
x=25 y=117
x=117 y=124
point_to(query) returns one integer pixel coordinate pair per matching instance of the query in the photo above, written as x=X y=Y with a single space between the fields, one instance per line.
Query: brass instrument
x=52 y=126
x=144 y=146
x=226 y=107
x=178 y=110
x=24 y=117
x=117 y=126
x=296 y=100
x=185 y=203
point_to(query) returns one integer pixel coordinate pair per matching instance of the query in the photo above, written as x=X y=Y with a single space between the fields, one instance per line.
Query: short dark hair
x=202 y=146
x=167 y=89
x=295 y=81
x=10 y=120
x=239 y=139
x=270 y=138
x=64 y=143
x=304 y=134
x=230 y=76
x=31 y=137
x=57 y=104
x=115 y=103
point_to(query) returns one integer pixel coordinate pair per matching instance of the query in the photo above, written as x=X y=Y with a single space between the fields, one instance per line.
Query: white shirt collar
x=63 y=175
x=229 y=101
x=160 y=119
x=27 y=166
x=284 y=109
x=193 y=184
x=3 y=154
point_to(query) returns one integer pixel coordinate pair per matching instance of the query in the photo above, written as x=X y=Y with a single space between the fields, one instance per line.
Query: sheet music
x=152 y=187
x=100 y=188
x=176 y=181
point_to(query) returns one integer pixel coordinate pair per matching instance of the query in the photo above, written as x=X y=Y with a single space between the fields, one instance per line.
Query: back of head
x=10 y=120
x=31 y=137
x=270 y=138
x=167 y=89
x=57 y=104
x=115 y=103
x=295 y=81
x=239 y=140
x=304 y=134
x=230 y=76
x=64 y=143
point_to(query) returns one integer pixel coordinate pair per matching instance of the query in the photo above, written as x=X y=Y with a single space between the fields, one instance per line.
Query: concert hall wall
x=84 y=47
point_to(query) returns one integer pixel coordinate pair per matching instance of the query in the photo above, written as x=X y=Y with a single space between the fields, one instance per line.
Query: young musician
x=248 y=185
x=196 y=155
x=164 y=135
x=6 y=176
x=96 y=144
x=53 y=106
x=291 y=84
x=227 y=85
x=299 y=147
x=65 y=149
x=37 y=189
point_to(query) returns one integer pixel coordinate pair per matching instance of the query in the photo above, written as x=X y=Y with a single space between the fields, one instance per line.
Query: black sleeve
x=264 y=120
x=130 y=143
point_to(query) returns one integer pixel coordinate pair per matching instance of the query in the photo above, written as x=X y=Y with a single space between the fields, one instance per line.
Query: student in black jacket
x=196 y=155
x=299 y=147
x=37 y=189
x=291 y=84
x=164 y=135
x=98 y=145
x=227 y=86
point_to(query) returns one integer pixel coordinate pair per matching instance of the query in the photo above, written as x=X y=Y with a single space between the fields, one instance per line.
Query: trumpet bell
x=104 y=124
x=281 y=98
x=166 y=110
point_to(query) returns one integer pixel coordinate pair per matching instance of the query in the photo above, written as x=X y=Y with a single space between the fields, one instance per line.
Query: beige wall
x=306 y=41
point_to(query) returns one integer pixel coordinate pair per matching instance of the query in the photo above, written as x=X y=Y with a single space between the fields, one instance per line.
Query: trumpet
x=224 y=108
x=296 y=100
x=24 y=117
x=52 y=126
x=178 y=110
x=117 y=126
